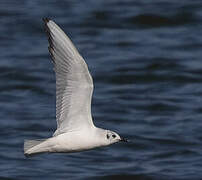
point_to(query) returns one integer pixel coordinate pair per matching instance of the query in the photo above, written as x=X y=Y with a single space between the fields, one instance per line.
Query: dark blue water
x=146 y=61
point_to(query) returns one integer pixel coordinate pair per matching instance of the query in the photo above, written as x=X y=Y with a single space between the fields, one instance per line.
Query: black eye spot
x=107 y=136
x=113 y=136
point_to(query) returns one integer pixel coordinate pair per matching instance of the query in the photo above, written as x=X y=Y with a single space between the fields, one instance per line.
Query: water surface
x=146 y=61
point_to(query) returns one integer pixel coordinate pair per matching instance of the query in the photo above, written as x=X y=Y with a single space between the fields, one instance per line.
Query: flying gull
x=74 y=87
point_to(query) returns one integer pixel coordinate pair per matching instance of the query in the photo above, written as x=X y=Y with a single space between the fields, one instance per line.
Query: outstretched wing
x=74 y=84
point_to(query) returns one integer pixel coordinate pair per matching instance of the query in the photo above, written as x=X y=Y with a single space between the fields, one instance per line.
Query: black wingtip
x=46 y=20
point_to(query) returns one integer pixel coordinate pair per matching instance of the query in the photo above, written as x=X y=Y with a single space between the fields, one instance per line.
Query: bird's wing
x=74 y=84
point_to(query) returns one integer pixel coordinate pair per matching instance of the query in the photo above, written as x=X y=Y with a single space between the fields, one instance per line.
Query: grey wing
x=74 y=84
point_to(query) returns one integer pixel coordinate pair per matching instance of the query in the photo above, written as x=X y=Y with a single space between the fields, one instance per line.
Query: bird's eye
x=107 y=136
x=113 y=136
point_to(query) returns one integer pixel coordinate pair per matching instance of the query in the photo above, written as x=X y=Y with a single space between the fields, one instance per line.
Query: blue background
x=146 y=61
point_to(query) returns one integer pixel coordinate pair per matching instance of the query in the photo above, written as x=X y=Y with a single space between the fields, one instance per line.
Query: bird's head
x=113 y=137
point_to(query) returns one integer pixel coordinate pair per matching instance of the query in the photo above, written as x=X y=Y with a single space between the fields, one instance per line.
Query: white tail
x=28 y=144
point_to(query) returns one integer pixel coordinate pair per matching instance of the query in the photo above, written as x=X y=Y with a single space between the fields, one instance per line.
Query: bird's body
x=74 y=87
x=74 y=141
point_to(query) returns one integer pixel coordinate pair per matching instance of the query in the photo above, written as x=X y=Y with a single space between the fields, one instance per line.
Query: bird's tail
x=29 y=146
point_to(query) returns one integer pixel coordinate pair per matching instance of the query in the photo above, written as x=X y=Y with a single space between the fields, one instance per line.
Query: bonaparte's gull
x=74 y=87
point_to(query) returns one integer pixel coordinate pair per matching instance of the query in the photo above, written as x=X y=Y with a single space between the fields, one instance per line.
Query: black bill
x=124 y=139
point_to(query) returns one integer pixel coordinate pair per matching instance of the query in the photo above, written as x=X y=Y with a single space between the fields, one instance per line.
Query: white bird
x=74 y=87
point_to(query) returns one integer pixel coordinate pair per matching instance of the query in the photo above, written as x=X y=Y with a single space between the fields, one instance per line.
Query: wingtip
x=46 y=20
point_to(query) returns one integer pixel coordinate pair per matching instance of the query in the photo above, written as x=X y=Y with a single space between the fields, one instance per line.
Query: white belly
x=72 y=142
